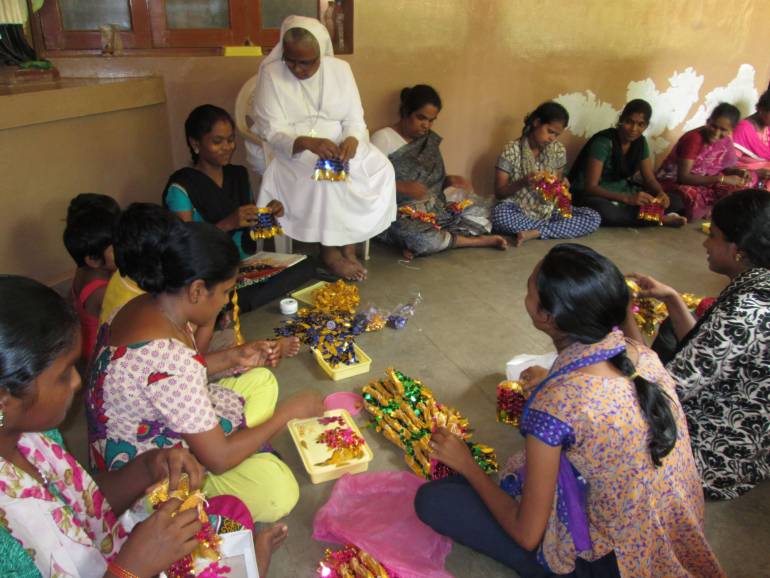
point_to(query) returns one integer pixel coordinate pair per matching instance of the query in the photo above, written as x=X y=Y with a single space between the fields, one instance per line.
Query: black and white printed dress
x=722 y=371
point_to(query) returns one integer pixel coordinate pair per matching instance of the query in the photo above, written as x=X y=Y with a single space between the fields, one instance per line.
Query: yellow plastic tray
x=306 y=295
x=304 y=433
x=343 y=371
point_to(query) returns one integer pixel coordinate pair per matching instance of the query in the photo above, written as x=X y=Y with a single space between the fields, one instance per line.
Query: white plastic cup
x=289 y=306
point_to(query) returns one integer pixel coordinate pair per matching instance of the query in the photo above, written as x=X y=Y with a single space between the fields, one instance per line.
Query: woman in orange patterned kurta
x=607 y=485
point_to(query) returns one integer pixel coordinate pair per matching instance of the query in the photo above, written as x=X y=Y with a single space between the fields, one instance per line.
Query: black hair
x=139 y=231
x=37 y=325
x=744 y=219
x=764 y=101
x=588 y=296
x=728 y=111
x=185 y=253
x=637 y=106
x=91 y=219
x=546 y=113
x=200 y=122
x=414 y=98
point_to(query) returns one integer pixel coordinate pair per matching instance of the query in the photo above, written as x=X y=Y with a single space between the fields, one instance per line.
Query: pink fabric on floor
x=375 y=511
x=232 y=508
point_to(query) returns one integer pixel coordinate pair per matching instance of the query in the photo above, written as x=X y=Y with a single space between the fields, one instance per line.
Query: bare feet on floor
x=674 y=220
x=266 y=542
x=482 y=241
x=288 y=346
x=340 y=266
x=349 y=252
x=523 y=236
x=407 y=255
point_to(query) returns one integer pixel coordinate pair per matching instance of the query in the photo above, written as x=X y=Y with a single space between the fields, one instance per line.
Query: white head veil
x=312 y=25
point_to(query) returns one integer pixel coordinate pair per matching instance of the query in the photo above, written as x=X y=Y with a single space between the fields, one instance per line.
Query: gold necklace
x=184 y=331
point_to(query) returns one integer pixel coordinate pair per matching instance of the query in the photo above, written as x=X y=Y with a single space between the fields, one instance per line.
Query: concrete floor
x=471 y=321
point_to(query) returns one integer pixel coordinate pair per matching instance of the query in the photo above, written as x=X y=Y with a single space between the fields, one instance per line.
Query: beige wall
x=491 y=60
x=124 y=153
x=494 y=60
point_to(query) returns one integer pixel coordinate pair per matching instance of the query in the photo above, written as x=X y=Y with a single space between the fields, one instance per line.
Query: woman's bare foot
x=349 y=252
x=288 y=346
x=266 y=542
x=674 y=220
x=524 y=236
x=407 y=254
x=338 y=265
x=482 y=241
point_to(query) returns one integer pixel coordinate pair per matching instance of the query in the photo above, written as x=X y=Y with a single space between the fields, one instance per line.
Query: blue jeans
x=453 y=508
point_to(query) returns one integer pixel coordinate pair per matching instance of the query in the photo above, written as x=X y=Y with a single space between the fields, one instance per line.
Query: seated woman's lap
x=419 y=242
x=263 y=482
x=452 y=507
x=259 y=390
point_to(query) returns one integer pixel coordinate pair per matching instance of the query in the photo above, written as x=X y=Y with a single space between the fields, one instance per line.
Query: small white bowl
x=289 y=306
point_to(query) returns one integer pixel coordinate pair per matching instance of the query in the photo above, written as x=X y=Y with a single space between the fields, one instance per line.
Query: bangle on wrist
x=119 y=571
x=721 y=179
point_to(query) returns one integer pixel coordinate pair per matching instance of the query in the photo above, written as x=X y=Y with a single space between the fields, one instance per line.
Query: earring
x=2 y=418
x=738 y=258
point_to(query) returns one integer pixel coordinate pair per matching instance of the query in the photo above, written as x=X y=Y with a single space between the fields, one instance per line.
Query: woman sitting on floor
x=149 y=385
x=607 y=485
x=421 y=180
x=751 y=140
x=522 y=211
x=701 y=166
x=57 y=520
x=212 y=190
x=602 y=174
x=722 y=363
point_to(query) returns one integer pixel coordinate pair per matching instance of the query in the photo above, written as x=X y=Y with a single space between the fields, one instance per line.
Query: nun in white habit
x=307 y=106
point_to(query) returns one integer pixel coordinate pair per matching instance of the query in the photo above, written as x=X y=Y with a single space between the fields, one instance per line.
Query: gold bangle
x=119 y=571
x=721 y=179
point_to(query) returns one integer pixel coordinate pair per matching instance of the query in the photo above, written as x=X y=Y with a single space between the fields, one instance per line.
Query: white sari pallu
x=326 y=105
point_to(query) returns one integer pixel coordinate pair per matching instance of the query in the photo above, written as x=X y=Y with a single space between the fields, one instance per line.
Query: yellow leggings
x=262 y=481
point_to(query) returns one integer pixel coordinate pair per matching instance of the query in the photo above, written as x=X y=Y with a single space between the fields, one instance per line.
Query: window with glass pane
x=91 y=14
x=274 y=11
x=197 y=14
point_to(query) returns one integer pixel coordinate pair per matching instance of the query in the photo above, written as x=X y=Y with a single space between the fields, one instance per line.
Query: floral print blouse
x=651 y=517
x=65 y=526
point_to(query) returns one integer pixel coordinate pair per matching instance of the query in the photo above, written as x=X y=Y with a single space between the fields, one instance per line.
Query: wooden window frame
x=150 y=36
x=235 y=35
x=55 y=38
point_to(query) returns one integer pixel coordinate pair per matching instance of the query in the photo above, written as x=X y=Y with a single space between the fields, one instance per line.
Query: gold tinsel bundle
x=208 y=541
x=649 y=313
x=351 y=562
x=339 y=297
x=511 y=398
x=406 y=413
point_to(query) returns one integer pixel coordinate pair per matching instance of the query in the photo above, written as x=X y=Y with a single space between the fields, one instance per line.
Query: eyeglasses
x=300 y=63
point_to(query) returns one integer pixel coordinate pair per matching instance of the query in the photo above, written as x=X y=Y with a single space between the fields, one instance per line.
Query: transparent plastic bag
x=375 y=511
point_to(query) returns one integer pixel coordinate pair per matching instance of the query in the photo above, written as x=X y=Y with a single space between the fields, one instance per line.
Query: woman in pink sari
x=701 y=166
x=752 y=143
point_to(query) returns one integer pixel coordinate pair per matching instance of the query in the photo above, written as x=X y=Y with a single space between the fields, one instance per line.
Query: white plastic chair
x=258 y=153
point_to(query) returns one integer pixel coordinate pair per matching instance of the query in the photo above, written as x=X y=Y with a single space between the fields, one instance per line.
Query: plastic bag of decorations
x=331 y=170
x=406 y=413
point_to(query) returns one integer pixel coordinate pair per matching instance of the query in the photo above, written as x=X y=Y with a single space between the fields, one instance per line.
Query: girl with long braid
x=607 y=484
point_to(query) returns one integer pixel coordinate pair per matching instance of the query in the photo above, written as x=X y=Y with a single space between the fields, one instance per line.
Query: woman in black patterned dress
x=722 y=361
